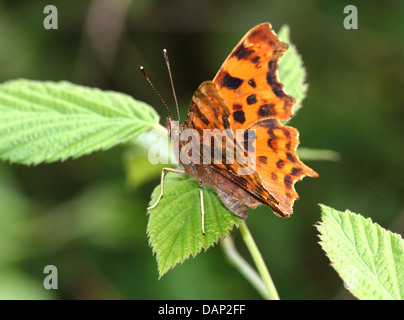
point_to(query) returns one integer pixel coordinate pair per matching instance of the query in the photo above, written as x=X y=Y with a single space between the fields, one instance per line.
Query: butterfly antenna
x=155 y=90
x=172 y=82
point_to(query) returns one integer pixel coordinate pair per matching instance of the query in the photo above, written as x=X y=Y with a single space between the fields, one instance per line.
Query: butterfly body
x=228 y=192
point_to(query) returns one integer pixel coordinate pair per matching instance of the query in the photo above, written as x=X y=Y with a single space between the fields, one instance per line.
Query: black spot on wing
x=296 y=171
x=252 y=83
x=272 y=65
x=272 y=81
x=251 y=99
x=277 y=89
x=271 y=78
x=280 y=164
x=230 y=82
x=288 y=181
x=241 y=52
x=290 y=157
x=255 y=59
x=266 y=110
x=239 y=116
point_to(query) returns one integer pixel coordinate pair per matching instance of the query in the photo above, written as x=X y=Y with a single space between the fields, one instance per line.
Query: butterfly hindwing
x=277 y=162
x=207 y=102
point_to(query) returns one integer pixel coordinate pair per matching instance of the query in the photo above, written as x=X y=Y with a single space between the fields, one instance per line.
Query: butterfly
x=245 y=96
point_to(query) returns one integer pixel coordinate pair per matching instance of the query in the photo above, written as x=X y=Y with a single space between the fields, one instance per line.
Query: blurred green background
x=88 y=216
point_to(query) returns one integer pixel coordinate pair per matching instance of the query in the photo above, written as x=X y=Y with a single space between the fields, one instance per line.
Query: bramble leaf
x=48 y=121
x=367 y=257
x=175 y=224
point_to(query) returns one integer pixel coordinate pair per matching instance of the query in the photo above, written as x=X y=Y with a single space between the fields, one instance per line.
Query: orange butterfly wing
x=248 y=95
x=209 y=111
x=248 y=79
x=248 y=83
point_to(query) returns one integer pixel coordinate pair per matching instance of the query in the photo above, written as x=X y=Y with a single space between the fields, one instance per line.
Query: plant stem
x=160 y=129
x=243 y=267
x=259 y=262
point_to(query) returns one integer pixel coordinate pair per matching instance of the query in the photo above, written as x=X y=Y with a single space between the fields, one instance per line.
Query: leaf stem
x=318 y=154
x=259 y=262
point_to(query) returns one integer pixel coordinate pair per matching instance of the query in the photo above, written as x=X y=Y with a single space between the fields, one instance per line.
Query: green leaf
x=367 y=257
x=292 y=73
x=175 y=224
x=48 y=121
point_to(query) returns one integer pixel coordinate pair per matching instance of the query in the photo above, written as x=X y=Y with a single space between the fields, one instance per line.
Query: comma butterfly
x=246 y=94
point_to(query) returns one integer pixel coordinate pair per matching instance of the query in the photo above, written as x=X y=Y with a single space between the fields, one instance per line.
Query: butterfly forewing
x=248 y=79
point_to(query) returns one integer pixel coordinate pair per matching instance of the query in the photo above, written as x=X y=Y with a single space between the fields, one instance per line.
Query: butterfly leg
x=202 y=207
x=161 y=184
